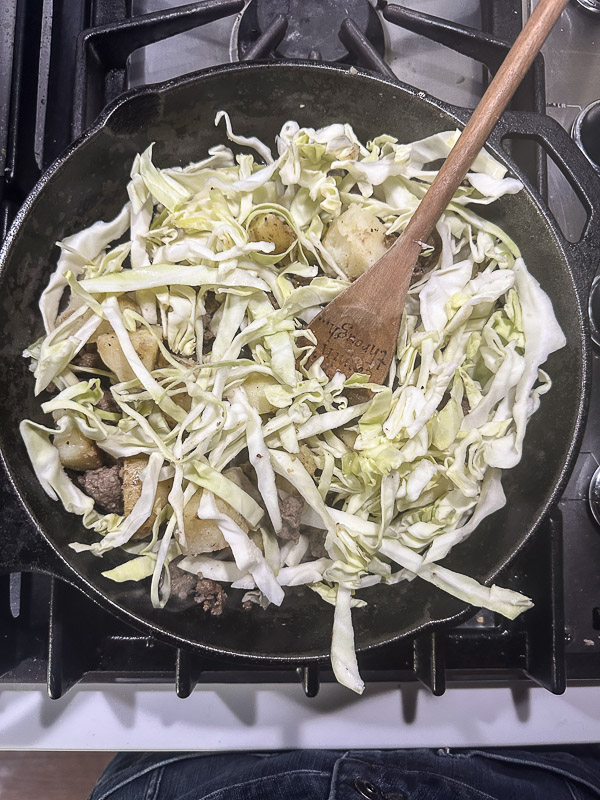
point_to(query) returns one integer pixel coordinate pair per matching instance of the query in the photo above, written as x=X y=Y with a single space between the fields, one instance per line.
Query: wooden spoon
x=358 y=331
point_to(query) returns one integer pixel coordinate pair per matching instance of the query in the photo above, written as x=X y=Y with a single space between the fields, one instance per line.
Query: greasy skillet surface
x=89 y=184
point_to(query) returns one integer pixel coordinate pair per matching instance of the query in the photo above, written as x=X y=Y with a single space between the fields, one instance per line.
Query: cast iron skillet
x=88 y=183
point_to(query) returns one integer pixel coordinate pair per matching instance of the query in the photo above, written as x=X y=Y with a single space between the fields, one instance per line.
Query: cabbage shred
x=393 y=483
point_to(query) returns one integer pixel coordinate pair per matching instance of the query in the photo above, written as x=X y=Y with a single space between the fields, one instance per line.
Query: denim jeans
x=353 y=775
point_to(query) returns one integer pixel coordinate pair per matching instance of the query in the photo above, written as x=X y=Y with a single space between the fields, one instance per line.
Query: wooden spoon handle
x=358 y=331
x=483 y=119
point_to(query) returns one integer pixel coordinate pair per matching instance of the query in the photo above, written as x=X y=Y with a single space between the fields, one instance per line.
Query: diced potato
x=132 y=484
x=204 y=535
x=272 y=228
x=241 y=479
x=144 y=344
x=356 y=240
x=225 y=508
x=132 y=489
x=72 y=306
x=307 y=459
x=256 y=537
x=161 y=362
x=347 y=437
x=254 y=386
x=105 y=326
x=76 y=451
x=184 y=400
x=284 y=485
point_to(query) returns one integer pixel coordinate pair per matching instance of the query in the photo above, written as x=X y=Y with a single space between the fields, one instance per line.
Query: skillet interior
x=90 y=183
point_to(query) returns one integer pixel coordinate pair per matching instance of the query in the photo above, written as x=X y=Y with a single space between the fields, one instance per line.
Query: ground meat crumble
x=211 y=595
x=208 y=593
x=104 y=486
x=182 y=583
x=108 y=403
x=91 y=360
x=291 y=511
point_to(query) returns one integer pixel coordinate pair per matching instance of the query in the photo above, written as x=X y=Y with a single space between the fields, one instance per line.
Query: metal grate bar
x=358 y=44
x=310 y=677
x=102 y=52
x=18 y=84
x=72 y=638
x=185 y=680
x=489 y=46
x=430 y=662
x=483 y=47
x=545 y=622
x=10 y=641
x=503 y=20
x=268 y=40
x=7 y=45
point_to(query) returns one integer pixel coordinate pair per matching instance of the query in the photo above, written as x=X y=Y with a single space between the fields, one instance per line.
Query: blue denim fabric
x=353 y=775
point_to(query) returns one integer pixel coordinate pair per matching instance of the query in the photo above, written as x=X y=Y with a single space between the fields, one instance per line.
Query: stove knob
x=586 y=131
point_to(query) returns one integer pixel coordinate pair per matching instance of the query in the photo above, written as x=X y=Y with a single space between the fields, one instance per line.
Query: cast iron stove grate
x=48 y=630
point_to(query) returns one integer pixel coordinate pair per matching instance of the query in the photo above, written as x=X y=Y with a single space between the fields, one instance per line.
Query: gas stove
x=60 y=64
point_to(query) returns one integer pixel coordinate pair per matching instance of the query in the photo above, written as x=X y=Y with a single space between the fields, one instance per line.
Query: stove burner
x=586 y=132
x=313 y=29
x=591 y=6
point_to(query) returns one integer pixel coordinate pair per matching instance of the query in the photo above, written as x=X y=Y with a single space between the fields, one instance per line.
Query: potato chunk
x=144 y=344
x=73 y=305
x=105 y=326
x=204 y=535
x=356 y=240
x=132 y=489
x=76 y=451
x=272 y=228
x=347 y=437
x=255 y=386
x=308 y=461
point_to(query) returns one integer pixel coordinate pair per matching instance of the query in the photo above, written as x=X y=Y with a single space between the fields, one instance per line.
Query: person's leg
x=356 y=775
x=475 y=774
x=290 y=775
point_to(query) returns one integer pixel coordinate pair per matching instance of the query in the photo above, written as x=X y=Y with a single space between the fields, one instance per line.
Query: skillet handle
x=555 y=141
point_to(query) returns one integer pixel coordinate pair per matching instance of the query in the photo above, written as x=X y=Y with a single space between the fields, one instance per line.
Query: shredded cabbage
x=237 y=458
